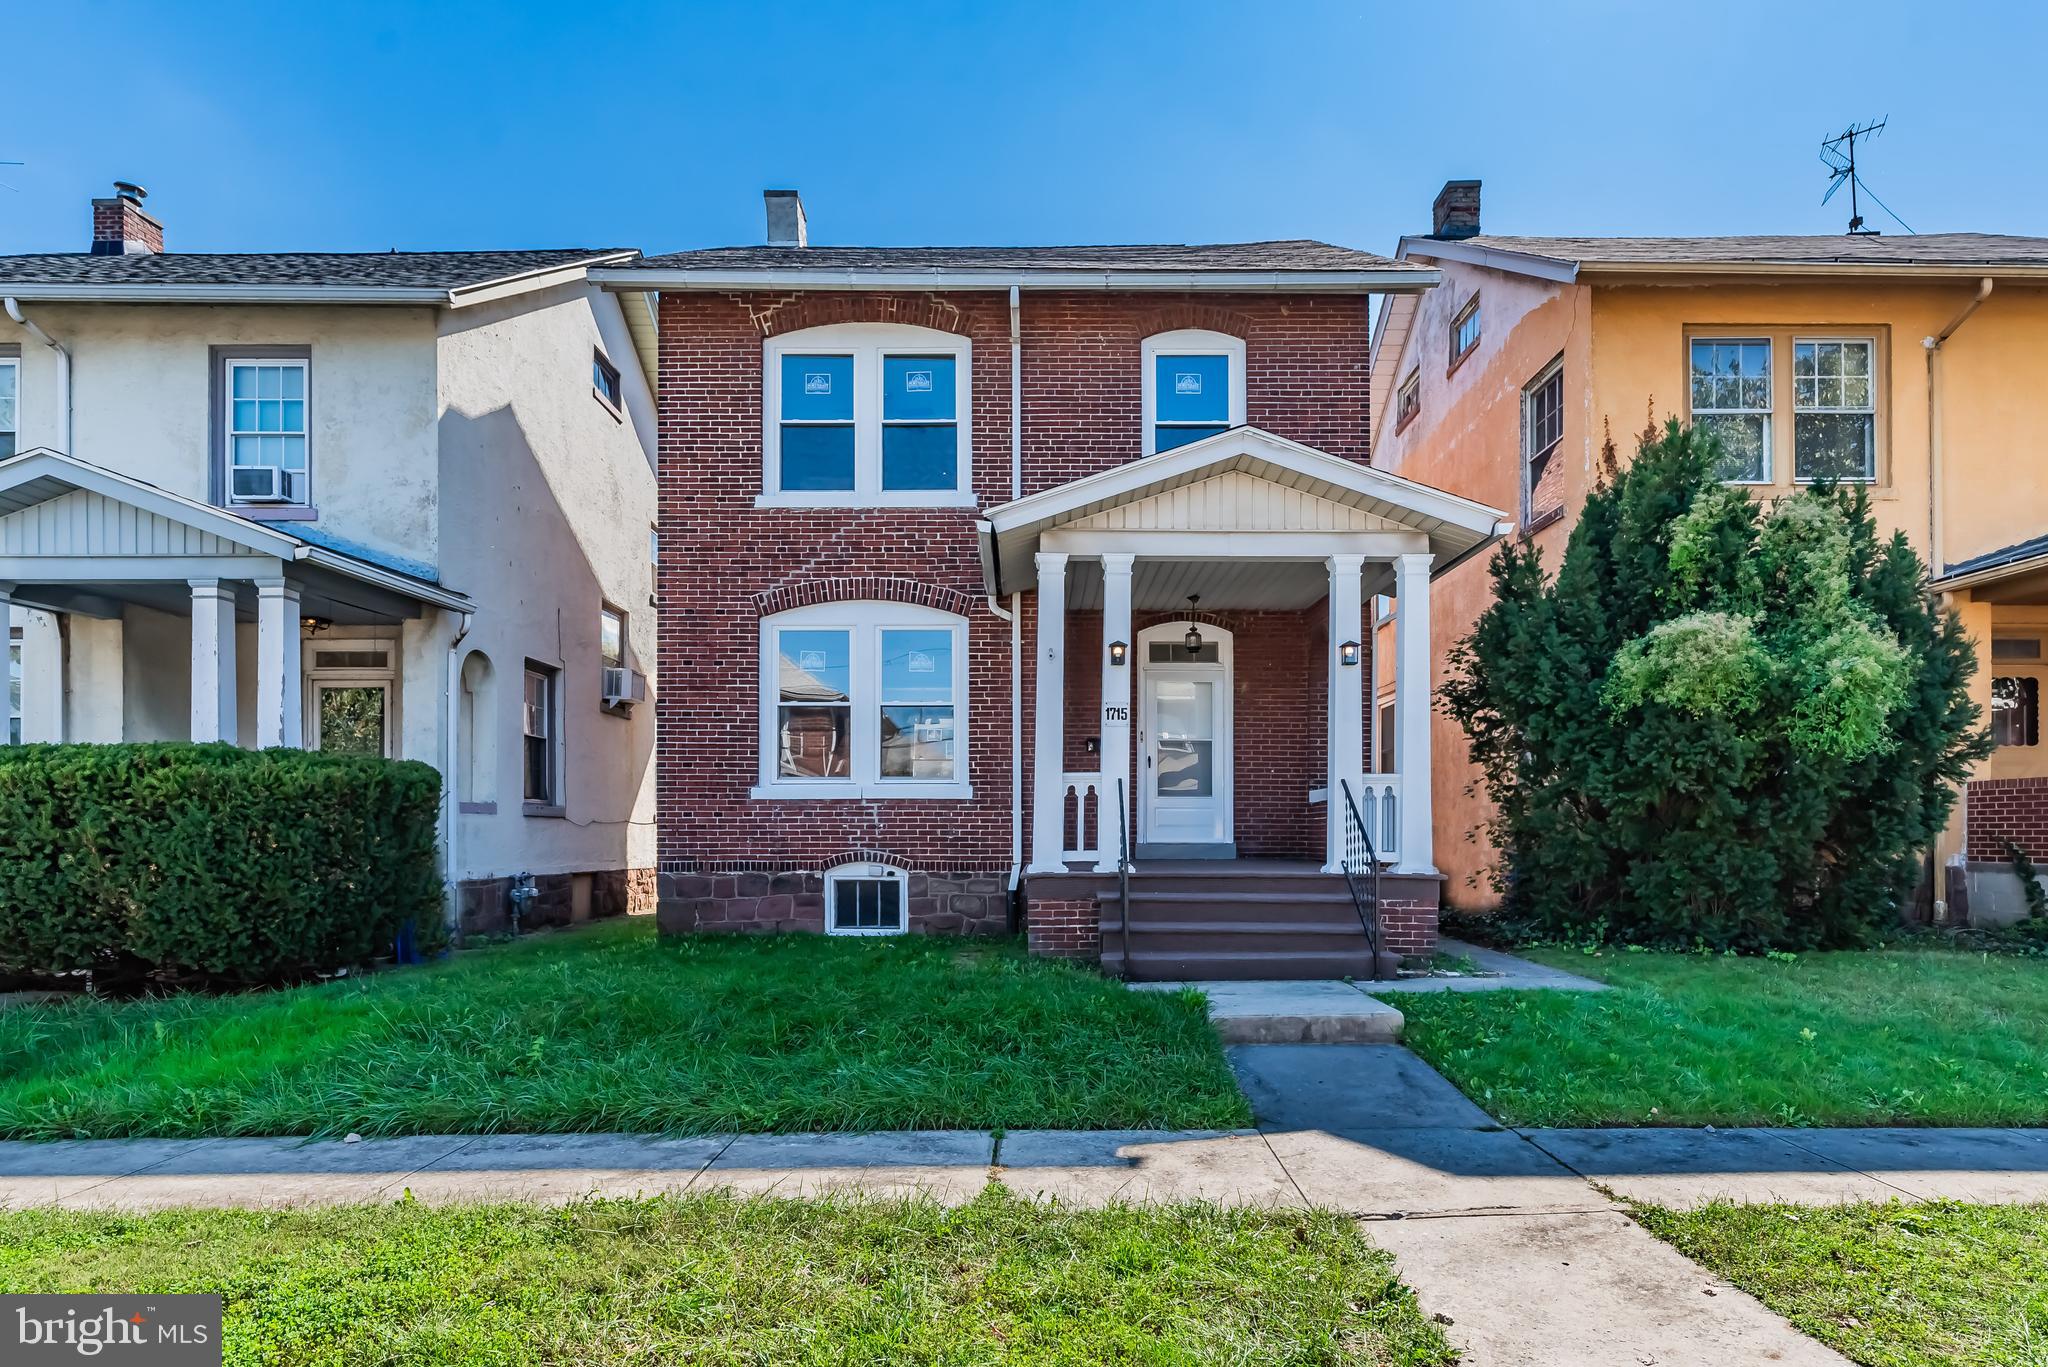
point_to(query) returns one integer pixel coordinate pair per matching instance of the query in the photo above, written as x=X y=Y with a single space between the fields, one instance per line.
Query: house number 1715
x=1114 y=713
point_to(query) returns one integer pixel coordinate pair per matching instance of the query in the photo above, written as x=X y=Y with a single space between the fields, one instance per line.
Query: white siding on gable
x=85 y=523
x=1235 y=501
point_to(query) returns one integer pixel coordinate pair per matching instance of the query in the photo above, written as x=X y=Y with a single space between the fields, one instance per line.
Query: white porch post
x=213 y=661
x=1347 y=701
x=277 y=665
x=1116 y=708
x=1411 y=712
x=42 y=678
x=1048 y=760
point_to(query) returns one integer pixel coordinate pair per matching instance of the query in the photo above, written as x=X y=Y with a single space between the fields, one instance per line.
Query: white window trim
x=1876 y=450
x=557 y=801
x=1529 y=393
x=227 y=426
x=1770 y=415
x=1190 y=342
x=317 y=677
x=10 y=361
x=866 y=343
x=869 y=873
x=866 y=620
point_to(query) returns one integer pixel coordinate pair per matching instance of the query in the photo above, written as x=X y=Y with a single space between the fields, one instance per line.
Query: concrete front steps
x=1267 y=924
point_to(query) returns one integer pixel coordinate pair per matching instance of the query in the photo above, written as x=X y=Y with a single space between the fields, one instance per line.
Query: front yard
x=607 y=1029
x=714 y=1279
x=1881 y=1038
x=1889 y=1286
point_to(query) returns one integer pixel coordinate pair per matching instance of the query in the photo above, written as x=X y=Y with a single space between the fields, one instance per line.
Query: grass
x=1880 y=1038
x=609 y=1029
x=1888 y=1286
x=715 y=1279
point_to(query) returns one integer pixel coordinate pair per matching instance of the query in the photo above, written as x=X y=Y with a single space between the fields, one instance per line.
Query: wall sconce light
x=1119 y=651
x=1347 y=654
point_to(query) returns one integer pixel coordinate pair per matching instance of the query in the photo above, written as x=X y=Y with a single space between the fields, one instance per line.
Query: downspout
x=450 y=798
x=63 y=372
x=1016 y=607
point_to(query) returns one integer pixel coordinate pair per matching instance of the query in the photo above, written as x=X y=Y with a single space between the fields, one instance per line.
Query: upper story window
x=1542 y=434
x=1194 y=387
x=604 y=380
x=863 y=700
x=1465 y=331
x=1834 y=409
x=265 y=423
x=1408 y=400
x=1731 y=397
x=10 y=406
x=868 y=414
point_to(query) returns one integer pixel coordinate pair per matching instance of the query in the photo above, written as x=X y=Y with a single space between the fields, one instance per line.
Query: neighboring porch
x=1201 y=681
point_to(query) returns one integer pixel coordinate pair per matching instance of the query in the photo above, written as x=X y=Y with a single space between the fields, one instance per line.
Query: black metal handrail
x=1123 y=876
x=1368 y=907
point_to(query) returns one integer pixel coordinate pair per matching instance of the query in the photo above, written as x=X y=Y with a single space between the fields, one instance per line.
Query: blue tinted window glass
x=920 y=457
x=1192 y=388
x=917 y=666
x=1170 y=437
x=817 y=457
x=916 y=388
x=817 y=389
x=815 y=667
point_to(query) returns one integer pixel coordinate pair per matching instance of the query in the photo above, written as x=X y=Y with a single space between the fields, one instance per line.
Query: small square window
x=865 y=899
x=604 y=378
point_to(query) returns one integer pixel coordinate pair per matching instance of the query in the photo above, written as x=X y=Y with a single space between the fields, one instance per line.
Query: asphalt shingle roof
x=1296 y=255
x=1917 y=249
x=369 y=270
x=2005 y=555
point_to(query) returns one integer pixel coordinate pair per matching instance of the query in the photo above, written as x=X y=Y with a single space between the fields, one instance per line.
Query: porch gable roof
x=1357 y=497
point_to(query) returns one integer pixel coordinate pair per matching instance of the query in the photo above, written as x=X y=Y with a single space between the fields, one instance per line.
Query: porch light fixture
x=1347 y=654
x=316 y=625
x=1193 y=640
x=1119 y=651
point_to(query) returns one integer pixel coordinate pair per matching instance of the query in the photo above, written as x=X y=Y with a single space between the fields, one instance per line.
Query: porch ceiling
x=1225 y=585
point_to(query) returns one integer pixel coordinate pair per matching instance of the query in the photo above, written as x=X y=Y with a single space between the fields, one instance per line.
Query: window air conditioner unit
x=623 y=687
x=262 y=484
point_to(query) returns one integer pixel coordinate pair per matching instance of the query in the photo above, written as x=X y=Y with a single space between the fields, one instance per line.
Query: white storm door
x=1183 y=778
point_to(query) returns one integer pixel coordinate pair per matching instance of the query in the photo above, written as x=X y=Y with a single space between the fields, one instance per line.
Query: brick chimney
x=786 y=226
x=121 y=228
x=1456 y=211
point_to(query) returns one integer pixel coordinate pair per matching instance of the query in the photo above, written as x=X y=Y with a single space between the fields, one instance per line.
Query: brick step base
x=1238 y=965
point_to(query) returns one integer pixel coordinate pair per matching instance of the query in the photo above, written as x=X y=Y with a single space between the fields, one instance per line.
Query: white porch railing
x=1379 y=807
x=1081 y=818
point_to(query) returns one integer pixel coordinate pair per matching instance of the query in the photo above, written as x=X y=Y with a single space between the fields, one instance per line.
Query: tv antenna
x=1839 y=155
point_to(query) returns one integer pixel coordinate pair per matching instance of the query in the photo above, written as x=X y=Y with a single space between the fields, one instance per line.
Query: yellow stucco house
x=1917 y=364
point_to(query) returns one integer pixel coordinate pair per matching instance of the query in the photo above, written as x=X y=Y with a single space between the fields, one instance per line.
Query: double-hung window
x=1542 y=434
x=540 y=719
x=1834 y=409
x=10 y=406
x=266 y=429
x=1731 y=398
x=1194 y=387
x=868 y=414
x=863 y=699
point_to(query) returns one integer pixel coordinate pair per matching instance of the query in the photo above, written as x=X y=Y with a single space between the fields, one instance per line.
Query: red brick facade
x=725 y=564
x=2007 y=809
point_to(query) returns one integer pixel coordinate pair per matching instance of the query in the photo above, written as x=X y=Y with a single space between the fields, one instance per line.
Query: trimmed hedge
x=250 y=865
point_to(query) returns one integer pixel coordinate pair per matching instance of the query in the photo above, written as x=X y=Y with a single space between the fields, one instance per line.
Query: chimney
x=1456 y=211
x=786 y=227
x=121 y=228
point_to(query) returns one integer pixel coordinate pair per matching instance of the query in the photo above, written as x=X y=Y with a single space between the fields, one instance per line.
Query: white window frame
x=319 y=677
x=866 y=621
x=12 y=364
x=556 y=801
x=867 y=343
x=1553 y=371
x=304 y=365
x=1405 y=412
x=1190 y=342
x=1769 y=415
x=868 y=873
x=1840 y=338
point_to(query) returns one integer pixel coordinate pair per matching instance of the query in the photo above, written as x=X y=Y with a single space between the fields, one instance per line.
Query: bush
x=245 y=865
x=1722 y=723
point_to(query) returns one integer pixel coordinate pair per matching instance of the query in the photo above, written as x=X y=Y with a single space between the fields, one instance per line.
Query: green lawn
x=1889 y=1286
x=713 y=1279
x=1894 y=1038
x=608 y=1029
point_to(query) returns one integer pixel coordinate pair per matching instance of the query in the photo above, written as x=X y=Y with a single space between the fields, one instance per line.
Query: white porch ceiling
x=1225 y=585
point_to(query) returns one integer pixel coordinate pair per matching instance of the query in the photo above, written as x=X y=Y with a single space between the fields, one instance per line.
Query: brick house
x=955 y=539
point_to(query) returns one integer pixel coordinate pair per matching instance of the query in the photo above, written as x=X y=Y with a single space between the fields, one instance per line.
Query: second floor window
x=604 y=379
x=1194 y=387
x=1465 y=331
x=266 y=430
x=1408 y=401
x=867 y=414
x=10 y=406
x=1731 y=398
x=1542 y=434
x=1834 y=409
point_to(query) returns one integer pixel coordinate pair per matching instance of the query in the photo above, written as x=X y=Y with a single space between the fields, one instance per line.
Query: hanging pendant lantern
x=1193 y=640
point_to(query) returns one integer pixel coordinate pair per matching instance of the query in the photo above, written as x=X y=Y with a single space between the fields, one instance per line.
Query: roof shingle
x=1988 y=250
x=362 y=270
x=1295 y=255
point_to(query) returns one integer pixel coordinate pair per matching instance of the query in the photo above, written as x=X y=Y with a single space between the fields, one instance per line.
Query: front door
x=1184 y=740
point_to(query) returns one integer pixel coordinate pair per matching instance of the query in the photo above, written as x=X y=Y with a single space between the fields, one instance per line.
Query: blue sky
x=364 y=127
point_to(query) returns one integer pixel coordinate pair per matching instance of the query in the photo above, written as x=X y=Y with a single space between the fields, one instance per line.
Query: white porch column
x=42 y=678
x=1347 y=701
x=1116 y=708
x=1411 y=712
x=277 y=665
x=213 y=661
x=1048 y=757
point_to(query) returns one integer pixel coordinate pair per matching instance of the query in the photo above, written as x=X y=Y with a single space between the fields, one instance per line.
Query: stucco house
x=399 y=503
x=988 y=571
x=1910 y=364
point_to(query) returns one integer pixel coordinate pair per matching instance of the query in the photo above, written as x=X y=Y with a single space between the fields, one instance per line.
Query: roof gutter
x=1385 y=281
x=63 y=371
x=1933 y=346
x=365 y=572
x=1991 y=574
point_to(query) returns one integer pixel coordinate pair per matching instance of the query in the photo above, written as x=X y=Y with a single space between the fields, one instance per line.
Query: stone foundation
x=484 y=905
x=935 y=903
